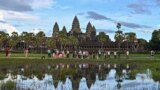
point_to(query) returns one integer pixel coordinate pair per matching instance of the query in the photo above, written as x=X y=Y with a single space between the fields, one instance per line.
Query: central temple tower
x=75 y=27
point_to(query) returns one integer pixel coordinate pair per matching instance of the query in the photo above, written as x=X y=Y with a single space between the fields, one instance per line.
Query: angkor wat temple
x=88 y=40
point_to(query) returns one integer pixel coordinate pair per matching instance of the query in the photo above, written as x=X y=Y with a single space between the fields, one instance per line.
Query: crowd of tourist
x=79 y=54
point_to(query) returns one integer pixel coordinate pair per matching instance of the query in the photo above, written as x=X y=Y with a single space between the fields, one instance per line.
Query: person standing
x=80 y=54
x=115 y=54
x=99 y=53
x=127 y=54
x=49 y=52
x=7 y=52
x=105 y=54
x=152 y=54
x=108 y=53
x=26 y=52
x=67 y=53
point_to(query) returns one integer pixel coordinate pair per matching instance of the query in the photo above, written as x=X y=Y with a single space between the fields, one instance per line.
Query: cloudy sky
x=140 y=16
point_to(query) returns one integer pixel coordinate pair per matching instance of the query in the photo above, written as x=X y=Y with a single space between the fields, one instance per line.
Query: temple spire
x=75 y=26
x=64 y=29
x=55 y=30
x=89 y=28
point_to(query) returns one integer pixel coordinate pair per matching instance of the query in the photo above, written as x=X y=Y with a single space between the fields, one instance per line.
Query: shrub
x=9 y=85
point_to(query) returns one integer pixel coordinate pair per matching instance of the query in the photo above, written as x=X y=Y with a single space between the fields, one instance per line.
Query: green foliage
x=118 y=26
x=51 y=42
x=9 y=85
x=119 y=36
x=155 y=40
x=102 y=37
x=2 y=76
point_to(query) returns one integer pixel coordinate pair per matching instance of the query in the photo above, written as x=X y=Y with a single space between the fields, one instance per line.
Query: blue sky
x=139 y=16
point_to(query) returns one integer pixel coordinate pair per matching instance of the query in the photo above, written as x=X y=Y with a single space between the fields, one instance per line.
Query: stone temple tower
x=55 y=30
x=75 y=26
x=90 y=31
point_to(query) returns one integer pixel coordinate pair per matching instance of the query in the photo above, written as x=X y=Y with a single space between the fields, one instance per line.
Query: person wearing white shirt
x=115 y=54
x=127 y=54
x=108 y=53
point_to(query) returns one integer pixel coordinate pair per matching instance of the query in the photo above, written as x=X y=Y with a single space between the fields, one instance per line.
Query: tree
x=119 y=37
x=143 y=43
x=130 y=37
x=155 y=40
x=102 y=38
x=50 y=42
x=14 y=39
x=62 y=38
x=127 y=38
x=23 y=38
x=3 y=37
x=41 y=38
x=6 y=40
x=72 y=40
x=118 y=26
x=31 y=39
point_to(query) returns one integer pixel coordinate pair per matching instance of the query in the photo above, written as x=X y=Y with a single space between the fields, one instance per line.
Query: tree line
x=32 y=40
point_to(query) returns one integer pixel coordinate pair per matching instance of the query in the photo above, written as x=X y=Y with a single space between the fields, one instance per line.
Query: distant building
x=88 y=40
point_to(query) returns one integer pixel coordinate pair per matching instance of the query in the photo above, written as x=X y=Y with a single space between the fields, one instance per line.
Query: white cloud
x=42 y=3
x=12 y=15
x=8 y=28
x=25 y=5
x=1 y=17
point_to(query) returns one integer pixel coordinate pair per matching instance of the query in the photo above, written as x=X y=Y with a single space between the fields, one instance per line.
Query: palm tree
x=118 y=26
x=158 y=36
x=72 y=40
x=102 y=38
x=30 y=39
x=2 y=38
x=14 y=39
x=127 y=39
x=24 y=38
x=155 y=40
x=6 y=40
x=50 y=42
x=119 y=37
x=142 y=42
x=41 y=39
x=132 y=38
x=62 y=38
